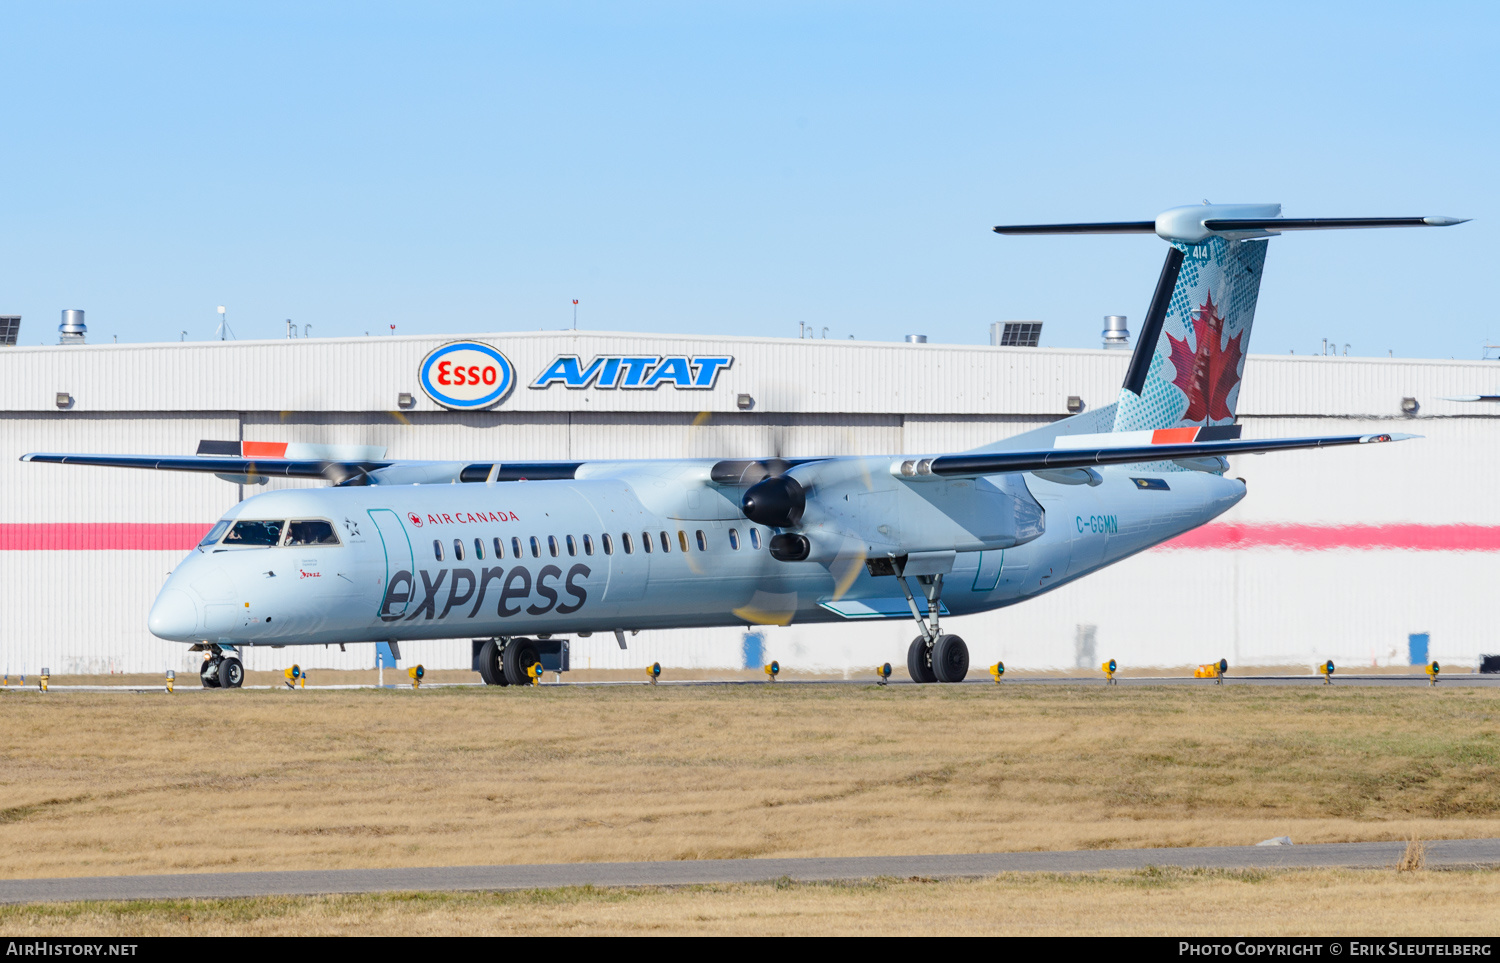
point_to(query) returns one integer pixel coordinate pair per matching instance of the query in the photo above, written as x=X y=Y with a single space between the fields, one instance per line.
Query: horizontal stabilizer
x=1199 y=222
x=1103 y=227
x=1003 y=462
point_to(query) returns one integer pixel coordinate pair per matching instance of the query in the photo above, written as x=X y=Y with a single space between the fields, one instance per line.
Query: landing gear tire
x=919 y=662
x=950 y=659
x=209 y=674
x=491 y=665
x=231 y=674
x=519 y=655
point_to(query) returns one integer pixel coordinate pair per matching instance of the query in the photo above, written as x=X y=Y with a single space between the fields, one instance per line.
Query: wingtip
x=1388 y=436
x=1439 y=221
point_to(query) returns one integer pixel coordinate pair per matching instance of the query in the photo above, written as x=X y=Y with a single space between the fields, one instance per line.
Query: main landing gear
x=221 y=670
x=505 y=661
x=934 y=656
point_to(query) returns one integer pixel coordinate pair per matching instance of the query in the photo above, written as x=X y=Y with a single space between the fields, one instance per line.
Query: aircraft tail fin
x=1190 y=356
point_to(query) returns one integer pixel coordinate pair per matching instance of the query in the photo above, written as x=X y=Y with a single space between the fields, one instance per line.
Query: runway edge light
x=1110 y=668
x=171 y=680
x=654 y=672
x=1432 y=672
x=42 y=682
x=416 y=673
x=883 y=671
x=534 y=673
x=997 y=670
x=1327 y=671
x=293 y=676
x=771 y=670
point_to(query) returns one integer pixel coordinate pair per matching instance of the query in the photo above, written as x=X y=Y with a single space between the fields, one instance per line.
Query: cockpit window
x=312 y=532
x=255 y=533
x=215 y=533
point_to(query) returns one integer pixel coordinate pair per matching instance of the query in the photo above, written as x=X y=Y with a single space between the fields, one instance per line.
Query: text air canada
x=466 y=375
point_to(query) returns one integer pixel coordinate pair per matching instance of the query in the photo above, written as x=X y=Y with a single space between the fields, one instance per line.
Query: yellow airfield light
x=1110 y=668
x=654 y=672
x=883 y=672
x=997 y=670
x=772 y=670
x=416 y=673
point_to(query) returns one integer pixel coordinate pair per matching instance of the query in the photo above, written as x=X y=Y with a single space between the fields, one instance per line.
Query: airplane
x=518 y=553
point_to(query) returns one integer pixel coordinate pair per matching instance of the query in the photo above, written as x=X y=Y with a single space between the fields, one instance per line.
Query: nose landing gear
x=221 y=670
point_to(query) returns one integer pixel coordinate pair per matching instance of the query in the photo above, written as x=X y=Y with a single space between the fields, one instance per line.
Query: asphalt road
x=1451 y=854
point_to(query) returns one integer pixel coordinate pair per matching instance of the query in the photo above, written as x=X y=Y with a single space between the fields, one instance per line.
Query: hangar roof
x=781 y=375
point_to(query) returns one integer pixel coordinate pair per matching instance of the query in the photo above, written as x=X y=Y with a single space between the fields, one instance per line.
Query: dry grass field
x=106 y=783
x=1148 y=902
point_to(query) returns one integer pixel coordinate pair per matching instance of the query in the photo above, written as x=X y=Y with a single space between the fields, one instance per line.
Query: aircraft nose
x=174 y=616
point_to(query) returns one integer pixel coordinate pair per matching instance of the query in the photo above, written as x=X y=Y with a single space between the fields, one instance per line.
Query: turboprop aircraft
x=513 y=552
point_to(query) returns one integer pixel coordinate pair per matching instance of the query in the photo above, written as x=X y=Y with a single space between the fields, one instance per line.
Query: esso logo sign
x=466 y=375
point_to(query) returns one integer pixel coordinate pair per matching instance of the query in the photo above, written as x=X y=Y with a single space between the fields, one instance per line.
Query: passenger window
x=552 y=545
x=515 y=547
x=666 y=542
x=755 y=538
x=479 y=549
x=702 y=541
x=588 y=545
x=215 y=533
x=682 y=539
x=437 y=549
x=458 y=550
x=255 y=533
x=536 y=547
x=646 y=542
x=626 y=542
x=734 y=540
x=572 y=546
x=499 y=547
x=316 y=532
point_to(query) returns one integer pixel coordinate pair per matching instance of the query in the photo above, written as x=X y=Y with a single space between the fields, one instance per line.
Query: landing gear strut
x=933 y=655
x=221 y=670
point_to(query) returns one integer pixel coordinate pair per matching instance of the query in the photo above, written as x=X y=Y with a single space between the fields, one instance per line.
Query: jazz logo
x=466 y=375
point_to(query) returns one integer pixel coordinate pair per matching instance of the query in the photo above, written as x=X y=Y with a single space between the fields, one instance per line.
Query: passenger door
x=398 y=588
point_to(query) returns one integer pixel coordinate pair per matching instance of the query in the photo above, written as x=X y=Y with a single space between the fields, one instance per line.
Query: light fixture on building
x=1075 y=404
x=405 y=400
x=744 y=402
x=1409 y=406
x=64 y=400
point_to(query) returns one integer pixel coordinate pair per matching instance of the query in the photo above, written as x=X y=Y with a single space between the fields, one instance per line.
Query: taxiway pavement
x=1440 y=854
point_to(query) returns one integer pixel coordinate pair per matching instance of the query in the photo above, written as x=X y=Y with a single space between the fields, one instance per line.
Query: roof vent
x=916 y=339
x=1116 y=333
x=72 y=330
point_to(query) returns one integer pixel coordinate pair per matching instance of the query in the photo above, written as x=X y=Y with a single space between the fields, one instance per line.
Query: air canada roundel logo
x=414 y=518
x=466 y=375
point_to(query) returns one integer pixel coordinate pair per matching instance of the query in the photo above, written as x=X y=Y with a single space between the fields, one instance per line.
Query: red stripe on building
x=1322 y=538
x=117 y=536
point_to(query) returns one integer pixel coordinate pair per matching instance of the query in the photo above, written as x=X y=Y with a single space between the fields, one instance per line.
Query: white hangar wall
x=1336 y=554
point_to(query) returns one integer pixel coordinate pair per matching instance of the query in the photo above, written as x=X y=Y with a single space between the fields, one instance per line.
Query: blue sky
x=734 y=168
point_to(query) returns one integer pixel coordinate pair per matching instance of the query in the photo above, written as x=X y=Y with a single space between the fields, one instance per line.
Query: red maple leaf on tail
x=1207 y=375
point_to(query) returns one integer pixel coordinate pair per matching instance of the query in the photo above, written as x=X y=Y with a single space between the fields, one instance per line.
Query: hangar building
x=1342 y=554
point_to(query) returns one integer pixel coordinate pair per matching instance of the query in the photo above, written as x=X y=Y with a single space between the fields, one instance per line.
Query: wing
x=1089 y=451
x=340 y=472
